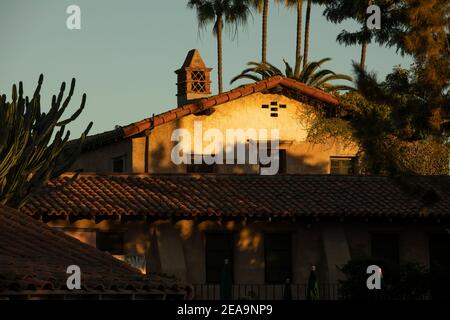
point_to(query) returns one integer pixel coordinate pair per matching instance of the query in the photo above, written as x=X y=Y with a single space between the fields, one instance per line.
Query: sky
x=125 y=54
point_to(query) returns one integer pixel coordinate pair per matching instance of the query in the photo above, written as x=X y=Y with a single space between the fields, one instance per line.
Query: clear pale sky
x=126 y=52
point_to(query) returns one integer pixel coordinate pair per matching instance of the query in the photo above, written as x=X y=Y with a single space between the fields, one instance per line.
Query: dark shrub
x=405 y=281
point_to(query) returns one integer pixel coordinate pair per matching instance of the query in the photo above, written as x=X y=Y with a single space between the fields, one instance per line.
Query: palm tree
x=220 y=13
x=310 y=75
x=263 y=7
x=307 y=25
x=299 y=6
x=338 y=11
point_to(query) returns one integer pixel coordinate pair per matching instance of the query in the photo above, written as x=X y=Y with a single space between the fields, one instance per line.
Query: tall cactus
x=29 y=157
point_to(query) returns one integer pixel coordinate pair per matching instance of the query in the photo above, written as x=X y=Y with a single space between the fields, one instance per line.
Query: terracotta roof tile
x=235 y=94
x=34 y=259
x=220 y=99
x=239 y=195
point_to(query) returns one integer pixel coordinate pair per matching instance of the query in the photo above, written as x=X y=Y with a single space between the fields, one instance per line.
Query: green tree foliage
x=29 y=156
x=423 y=34
x=220 y=13
x=401 y=123
x=409 y=142
x=418 y=28
x=389 y=122
x=311 y=75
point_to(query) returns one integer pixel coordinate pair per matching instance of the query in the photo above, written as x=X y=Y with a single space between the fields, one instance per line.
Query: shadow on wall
x=160 y=162
x=306 y=165
x=157 y=158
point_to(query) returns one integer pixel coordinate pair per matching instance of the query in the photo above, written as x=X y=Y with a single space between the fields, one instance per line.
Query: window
x=282 y=162
x=119 y=164
x=199 y=168
x=198 y=84
x=111 y=242
x=278 y=257
x=198 y=87
x=385 y=247
x=198 y=76
x=219 y=246
x=342 y=165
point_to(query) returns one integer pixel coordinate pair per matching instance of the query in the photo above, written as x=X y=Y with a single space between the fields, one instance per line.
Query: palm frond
x=317 y=77
x=309 y=75
x=311 y=68
x=338 y=87
x=332 y=77
x=288 y=71
x=245 y=76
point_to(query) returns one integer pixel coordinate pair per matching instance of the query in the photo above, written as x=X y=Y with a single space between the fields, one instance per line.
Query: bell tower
x=193 y=79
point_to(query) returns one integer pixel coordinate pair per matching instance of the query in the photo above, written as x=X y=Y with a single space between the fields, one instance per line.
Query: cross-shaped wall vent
x=274 y=108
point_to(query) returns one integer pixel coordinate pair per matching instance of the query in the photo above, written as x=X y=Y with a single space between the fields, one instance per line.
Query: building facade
x=135 y=201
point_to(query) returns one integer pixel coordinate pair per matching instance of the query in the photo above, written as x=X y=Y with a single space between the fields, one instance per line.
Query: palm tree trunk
x=264 y=31
x=362 y=63
x=219 y=52
x=298 y=50
x=307 y=23
x=363 y=55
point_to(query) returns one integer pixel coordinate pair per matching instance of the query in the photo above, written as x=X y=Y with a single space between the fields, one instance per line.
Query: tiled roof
x=100 y=139
x=252 y=196
x=206 y=103
x=34 y=259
